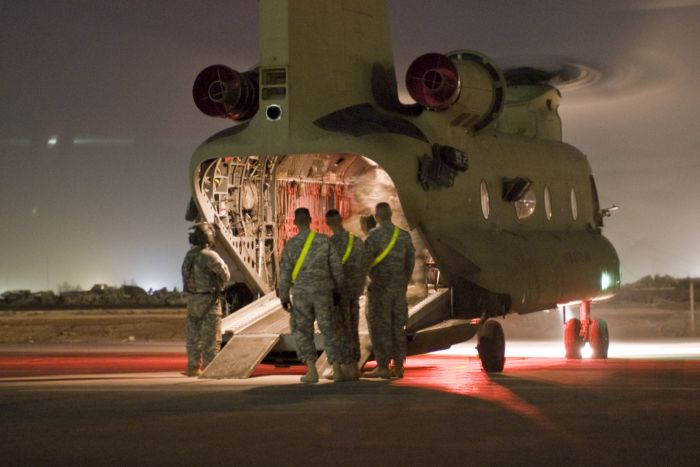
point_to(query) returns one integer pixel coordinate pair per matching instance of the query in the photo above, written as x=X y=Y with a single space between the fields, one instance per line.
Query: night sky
x=98 y=124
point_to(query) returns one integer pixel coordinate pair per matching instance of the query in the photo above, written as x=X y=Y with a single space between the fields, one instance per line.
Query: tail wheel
x=572 y=338
x=599 y=338
x=492 y=347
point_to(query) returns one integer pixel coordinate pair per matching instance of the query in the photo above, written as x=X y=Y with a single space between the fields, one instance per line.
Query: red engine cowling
x=219 y=91
x=465 y=84
x=433 y=81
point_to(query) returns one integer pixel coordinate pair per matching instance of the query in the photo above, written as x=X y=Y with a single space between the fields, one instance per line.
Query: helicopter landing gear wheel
x=599 y=339
x=492 y=347
x=572 y=339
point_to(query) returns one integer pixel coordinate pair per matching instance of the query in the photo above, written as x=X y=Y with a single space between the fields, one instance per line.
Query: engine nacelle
x=466 y=82
x=219 y=91
x=433 y=81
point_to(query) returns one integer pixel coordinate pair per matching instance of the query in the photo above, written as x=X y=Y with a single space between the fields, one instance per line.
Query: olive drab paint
x=470 y=173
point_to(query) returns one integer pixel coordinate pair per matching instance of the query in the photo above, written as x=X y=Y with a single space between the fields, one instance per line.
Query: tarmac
x=129 y=405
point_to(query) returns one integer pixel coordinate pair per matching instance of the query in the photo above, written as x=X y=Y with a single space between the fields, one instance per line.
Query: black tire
x=492 y=347
x=600 y=340
x=572 y=339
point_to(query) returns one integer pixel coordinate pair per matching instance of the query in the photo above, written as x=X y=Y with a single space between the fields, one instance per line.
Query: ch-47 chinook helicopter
x=506 y=214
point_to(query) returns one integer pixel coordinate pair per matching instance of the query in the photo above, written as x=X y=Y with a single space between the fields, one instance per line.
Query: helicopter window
x=574 y=205
x=485 y=203
x=547 y=203
x=525 y=206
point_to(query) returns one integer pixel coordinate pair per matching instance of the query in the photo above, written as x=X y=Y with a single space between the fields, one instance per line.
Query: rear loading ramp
x=262 y=328
x=251 y=314
x=254 y=331
x=240 y=356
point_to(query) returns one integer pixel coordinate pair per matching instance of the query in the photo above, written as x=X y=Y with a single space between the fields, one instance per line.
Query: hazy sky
x=111 y=81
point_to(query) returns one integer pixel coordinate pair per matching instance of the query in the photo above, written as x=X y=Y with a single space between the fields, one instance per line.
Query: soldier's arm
x=359 y=274
x=335 y=265
x=285 y=279
x=218 y=268
x=410 y=258
x=186 y=266
x=368 y=254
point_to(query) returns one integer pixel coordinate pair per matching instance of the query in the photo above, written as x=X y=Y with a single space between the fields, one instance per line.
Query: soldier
x=346 y=318
x=312 y=267
x=203 y=275
x=389 y=255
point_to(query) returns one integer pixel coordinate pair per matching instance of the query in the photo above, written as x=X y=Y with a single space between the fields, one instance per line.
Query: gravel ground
x=626 y=322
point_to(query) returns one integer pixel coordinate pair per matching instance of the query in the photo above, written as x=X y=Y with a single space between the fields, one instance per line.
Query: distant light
x=102 y=141
x=605 y=281
x=152 y=286
x=34 y=211
x=52 y=141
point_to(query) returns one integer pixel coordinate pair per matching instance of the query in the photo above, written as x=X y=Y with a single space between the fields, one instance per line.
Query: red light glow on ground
x=81 y=364
x=463 y=376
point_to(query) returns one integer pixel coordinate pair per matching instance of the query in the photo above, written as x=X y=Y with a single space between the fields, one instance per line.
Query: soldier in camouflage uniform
x=318 y=274
x=203 y=275
x=346 y=317
x=389 y=255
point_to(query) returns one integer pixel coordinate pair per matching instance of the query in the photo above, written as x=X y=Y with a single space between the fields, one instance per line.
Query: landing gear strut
x=579 y=331
x=492 y=347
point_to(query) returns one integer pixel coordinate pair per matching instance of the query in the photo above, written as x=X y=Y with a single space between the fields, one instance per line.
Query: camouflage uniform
x=346 y=318
x=313 y=292
x=387 y=309
x=203 y=274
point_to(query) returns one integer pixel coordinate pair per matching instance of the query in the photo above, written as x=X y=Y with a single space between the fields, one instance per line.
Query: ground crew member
x=203 y=275
x=389 y=255
x=311 y=267
x=346 y=317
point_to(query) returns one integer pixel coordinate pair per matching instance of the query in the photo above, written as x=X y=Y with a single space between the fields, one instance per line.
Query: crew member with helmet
x=204 y=274
x=389 y=256
x=311 y=269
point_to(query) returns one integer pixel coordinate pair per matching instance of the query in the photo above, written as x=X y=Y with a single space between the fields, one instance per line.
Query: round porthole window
x=485 y=202
x=547 y=203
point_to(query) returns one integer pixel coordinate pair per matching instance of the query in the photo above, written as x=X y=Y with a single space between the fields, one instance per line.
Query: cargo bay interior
x=254 y=198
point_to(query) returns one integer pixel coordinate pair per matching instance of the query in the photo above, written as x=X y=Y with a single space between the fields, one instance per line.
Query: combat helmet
x=202 y=234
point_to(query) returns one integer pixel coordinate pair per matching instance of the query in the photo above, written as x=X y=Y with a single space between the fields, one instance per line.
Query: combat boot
x=192 y=373
x=311 y=375
x=328 y=373
x=397 y=371
x=338 y=374
x=379 y=372
x=350 y=371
